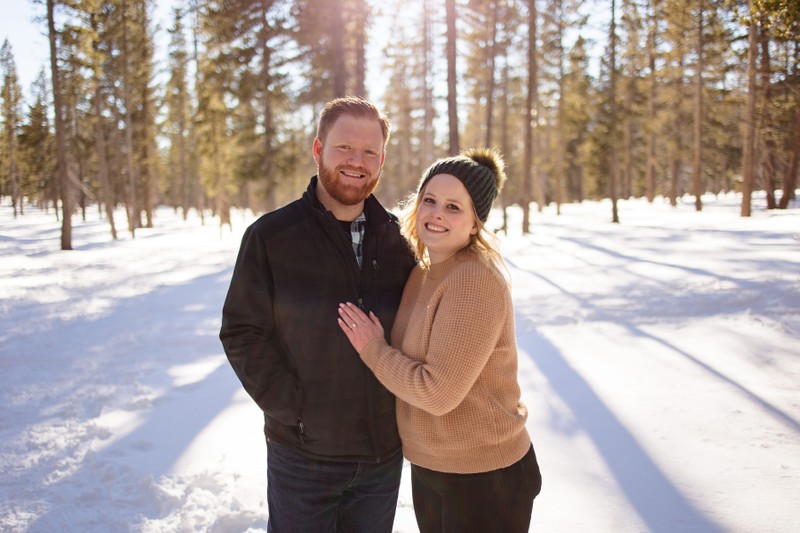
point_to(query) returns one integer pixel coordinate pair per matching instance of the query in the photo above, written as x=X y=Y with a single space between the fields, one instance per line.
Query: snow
x=659 y=360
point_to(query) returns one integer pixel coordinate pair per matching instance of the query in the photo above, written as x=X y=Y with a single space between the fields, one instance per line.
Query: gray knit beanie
x=481 y=170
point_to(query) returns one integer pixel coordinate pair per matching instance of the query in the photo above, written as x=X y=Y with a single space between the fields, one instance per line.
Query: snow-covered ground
x=659 y=359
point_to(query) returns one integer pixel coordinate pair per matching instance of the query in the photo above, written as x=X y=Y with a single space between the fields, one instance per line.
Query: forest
x=586 y=99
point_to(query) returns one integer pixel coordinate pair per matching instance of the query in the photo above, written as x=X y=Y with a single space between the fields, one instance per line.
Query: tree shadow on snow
x=124 y=362
x=657 y=501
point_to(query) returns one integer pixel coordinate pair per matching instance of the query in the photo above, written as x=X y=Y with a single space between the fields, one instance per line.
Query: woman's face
x=445 y=217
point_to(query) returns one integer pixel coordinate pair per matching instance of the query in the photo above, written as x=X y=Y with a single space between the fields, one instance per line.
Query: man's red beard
x=347 y=193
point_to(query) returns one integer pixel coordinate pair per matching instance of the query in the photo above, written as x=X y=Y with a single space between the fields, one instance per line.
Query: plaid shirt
x=357 y=235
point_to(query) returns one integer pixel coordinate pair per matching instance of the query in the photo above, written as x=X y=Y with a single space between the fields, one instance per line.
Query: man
x=333 y=452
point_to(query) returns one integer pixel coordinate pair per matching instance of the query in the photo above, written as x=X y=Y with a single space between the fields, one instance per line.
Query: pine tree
x=779 y=125
x=332 y=38
x=409 y=101
x=97 y=55
x=633 y=64
x=249 y=44
x=77 y=90
x=402 y=103
x=36 y=144
x=578 y=103
x=11 y=120
x=178 y=104
x=482 y=37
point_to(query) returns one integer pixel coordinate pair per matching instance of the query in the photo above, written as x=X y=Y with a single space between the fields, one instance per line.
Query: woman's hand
x=358 y=327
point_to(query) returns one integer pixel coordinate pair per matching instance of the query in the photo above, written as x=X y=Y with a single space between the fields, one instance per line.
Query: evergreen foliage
x=227 y=118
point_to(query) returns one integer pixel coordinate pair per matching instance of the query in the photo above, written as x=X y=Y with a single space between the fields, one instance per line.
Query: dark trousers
x=305 y=495
x=500 y=500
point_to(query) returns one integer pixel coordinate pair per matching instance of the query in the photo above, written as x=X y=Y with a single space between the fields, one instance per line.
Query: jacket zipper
x=370 y=413
x=375 y=269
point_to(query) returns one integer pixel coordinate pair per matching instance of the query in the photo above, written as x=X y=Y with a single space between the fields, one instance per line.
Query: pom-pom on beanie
x=481 y=170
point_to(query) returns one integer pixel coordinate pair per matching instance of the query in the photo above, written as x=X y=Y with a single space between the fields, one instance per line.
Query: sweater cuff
x=371 y=353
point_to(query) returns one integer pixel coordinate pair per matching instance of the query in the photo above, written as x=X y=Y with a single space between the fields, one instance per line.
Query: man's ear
x=316 y=149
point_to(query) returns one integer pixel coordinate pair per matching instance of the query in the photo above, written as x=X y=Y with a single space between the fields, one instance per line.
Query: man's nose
x=356 y=158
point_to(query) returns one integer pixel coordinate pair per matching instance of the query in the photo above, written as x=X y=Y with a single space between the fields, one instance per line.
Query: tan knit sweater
x=453 y=369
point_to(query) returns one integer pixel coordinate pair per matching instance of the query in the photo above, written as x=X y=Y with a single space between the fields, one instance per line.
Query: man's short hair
x=354 y=106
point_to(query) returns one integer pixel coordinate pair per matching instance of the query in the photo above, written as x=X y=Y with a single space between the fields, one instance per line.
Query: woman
x=453 y=360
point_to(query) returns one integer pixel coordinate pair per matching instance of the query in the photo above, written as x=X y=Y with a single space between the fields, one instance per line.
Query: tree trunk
x=530 y=103
x=130 y=200
x=748 y=156
x=148 y=182
x=102 y=164
x=193 y=192
x=650 y=174
x=677 y=160
x=763 y=130
x=429 y=113
x=339 y=67
x=403 y=147
x=613 y=166
x=626 y=177
x=559 y=185
x=536 y=140
x=490 y=77
x=452 y=95
x=504 y=141
x=65 y=187
x=362 y=11
x=266 y=97
x=697 y=170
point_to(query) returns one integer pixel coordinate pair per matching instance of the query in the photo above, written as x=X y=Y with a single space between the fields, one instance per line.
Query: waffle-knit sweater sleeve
x=453 y=368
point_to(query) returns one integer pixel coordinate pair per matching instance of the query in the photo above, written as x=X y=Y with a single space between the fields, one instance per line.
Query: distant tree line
x=688 y=97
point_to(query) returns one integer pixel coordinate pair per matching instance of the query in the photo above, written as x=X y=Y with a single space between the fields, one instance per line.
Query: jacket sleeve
x=250 y=338
x=467 y=324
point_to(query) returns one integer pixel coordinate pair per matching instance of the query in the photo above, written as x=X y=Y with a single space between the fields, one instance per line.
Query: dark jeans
x=500 y=500
x=309 y=496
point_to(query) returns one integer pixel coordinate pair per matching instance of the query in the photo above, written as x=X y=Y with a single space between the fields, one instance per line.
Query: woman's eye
x=453 y=207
